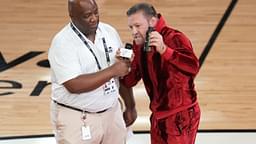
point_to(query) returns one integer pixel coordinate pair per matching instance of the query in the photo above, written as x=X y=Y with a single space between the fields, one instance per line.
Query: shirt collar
x=161 y=23
x=98 y=35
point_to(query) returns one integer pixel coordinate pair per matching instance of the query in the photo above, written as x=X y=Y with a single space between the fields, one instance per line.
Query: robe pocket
x=183 y=122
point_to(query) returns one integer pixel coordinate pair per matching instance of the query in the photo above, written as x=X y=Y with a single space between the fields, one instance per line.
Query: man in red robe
x=168 y=67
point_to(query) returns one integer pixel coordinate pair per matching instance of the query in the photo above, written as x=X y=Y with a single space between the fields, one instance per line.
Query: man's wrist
x=163 y=49
x=130 y=107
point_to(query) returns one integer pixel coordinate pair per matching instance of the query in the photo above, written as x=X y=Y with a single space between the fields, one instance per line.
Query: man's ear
x=153 y=21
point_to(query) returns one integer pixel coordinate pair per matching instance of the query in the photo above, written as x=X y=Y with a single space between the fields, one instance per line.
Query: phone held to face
x=147 y=48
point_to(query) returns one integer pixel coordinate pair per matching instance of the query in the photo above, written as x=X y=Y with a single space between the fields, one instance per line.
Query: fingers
x=156 y=40
x=130 y=116
x=123 y=67
x=128 y=121
x=118 y=53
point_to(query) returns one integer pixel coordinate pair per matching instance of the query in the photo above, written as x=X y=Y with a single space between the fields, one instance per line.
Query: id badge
x=110 y=87
x=86 y=133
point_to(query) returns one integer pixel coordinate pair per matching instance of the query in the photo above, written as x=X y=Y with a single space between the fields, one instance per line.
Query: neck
x=91 y=36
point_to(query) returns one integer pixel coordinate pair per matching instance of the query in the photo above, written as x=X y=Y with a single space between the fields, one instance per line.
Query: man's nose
x=93 y=18
x=134 y=31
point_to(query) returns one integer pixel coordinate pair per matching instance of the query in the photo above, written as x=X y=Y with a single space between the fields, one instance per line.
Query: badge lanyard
x=88 y=46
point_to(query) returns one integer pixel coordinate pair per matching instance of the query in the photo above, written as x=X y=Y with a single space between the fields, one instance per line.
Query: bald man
x=85 y=80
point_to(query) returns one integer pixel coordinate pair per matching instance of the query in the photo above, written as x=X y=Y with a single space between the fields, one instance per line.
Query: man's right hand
x=121 y=67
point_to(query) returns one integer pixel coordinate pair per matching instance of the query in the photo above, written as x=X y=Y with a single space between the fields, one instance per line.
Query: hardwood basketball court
x=226 y=83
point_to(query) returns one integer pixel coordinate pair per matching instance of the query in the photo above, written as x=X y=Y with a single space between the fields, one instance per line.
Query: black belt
x=77 y=109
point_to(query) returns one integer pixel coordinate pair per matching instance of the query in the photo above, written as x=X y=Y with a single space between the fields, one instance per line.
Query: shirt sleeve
x=64 y=62
x=180 y=53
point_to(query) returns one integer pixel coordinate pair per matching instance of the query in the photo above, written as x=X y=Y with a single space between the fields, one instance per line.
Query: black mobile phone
x=147 y=48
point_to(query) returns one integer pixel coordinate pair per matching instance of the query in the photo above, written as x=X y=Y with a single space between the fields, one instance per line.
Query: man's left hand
x=156 y=40
x=130 y=116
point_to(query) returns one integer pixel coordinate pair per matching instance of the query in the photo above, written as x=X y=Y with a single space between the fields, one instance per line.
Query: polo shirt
x=69 y=57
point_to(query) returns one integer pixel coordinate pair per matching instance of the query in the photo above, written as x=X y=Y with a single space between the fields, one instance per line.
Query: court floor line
x=216 y=32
